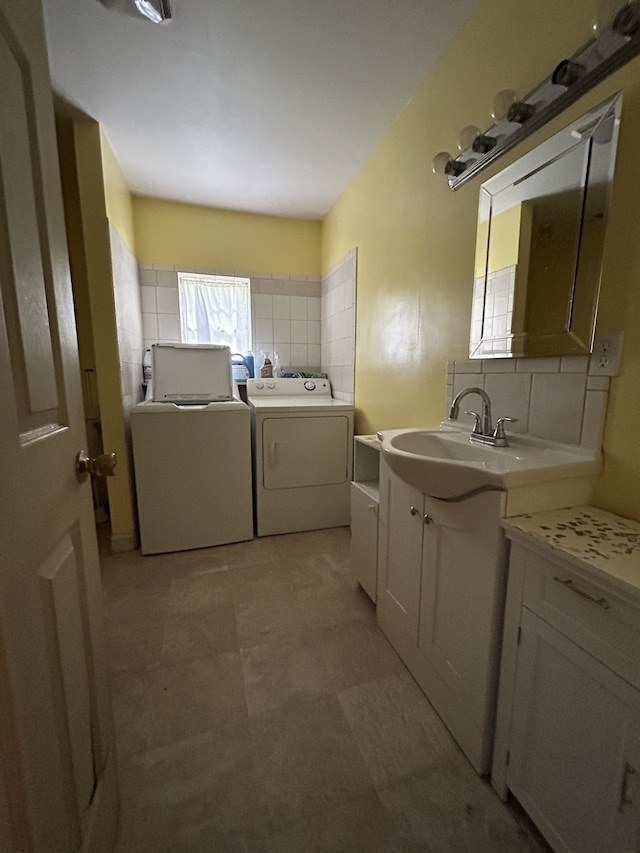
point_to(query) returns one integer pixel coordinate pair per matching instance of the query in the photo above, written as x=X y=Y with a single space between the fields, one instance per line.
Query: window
x=215 y=309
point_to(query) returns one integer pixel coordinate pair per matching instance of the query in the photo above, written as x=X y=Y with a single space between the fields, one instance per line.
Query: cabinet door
x=400 y=556
x=363 y=556
x=463 y=584
x=574 y=754
x=305 y=451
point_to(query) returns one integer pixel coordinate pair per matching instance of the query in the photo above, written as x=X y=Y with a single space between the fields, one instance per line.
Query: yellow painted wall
x=504 y=247
x=97 y=253
x=77 y=260
x=192 y=236
x=118 y=203
x=416 y=238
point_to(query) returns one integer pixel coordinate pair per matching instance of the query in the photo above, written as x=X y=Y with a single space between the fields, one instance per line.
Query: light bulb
x=501 y=104
x=440 y=163
x=627 y=21
x=444 y=164
x=466 y=137
x=603 y=16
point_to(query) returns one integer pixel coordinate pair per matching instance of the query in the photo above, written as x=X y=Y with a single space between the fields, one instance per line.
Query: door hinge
x=508 y=759
x=519 y=634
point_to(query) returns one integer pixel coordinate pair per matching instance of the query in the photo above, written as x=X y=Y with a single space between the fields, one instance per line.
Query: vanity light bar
x=515 y=120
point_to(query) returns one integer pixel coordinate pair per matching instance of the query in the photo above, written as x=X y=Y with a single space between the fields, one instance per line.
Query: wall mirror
x=540 y=234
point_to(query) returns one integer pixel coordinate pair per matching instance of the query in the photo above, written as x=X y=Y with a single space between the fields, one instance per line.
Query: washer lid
x=191 y=373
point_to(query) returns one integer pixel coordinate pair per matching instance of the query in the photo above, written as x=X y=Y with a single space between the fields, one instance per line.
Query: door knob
x=102 y=466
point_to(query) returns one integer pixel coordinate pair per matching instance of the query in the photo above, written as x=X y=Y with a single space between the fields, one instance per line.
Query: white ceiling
x=268 y=106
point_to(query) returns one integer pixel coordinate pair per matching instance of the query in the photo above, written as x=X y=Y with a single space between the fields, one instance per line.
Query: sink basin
x=444 y=463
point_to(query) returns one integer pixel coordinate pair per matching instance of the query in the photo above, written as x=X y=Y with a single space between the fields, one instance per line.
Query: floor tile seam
x=241 y=737
x=390 y=776
x=333 y=794
x=234 y=566
x=332 y=797
x=371 y=787
x=324 y=686
x=273 y=597
x=318 y=625
x=327 y=589
x=215 y=612
x=199 y=607
x=285 y=637
x=134 y=623
x=138 y=672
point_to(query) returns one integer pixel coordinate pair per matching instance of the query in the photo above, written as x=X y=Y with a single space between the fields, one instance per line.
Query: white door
x=57 y=768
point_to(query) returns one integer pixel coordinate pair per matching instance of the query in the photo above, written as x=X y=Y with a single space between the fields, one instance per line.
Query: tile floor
x=258 y=707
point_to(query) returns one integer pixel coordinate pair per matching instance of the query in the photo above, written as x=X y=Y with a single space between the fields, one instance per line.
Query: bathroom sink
x=444 y=463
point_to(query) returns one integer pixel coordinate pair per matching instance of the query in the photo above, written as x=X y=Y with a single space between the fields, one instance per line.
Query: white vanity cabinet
x=441 y=570
x=365 y=497
x=568 y=727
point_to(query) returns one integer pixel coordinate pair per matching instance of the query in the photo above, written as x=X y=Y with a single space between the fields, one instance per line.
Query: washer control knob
x=260 y=385
x=271 y=384
x=309 y=385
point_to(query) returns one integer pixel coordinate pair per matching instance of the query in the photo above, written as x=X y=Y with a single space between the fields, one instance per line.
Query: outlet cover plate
x=605 y=358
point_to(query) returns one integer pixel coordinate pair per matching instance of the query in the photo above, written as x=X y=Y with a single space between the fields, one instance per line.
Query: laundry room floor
x=258 y=707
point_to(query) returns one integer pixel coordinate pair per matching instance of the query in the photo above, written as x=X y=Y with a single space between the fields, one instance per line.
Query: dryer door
x=305 y=451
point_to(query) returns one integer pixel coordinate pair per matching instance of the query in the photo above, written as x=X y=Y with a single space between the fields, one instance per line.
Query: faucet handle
x=499 y=430
x=477 y=427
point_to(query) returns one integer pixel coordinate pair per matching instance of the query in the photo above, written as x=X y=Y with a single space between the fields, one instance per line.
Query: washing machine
x=302 y=444
x=192 y=452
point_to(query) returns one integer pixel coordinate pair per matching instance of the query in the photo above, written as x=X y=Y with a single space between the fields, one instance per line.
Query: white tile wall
x=291 y=303
x=285 y=312
x=337 y=326
x=552 y=398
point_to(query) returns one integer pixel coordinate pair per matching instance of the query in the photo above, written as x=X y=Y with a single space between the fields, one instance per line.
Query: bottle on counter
x=251 y=366
x=266 y=371
x=276 y=364
x=146 y=367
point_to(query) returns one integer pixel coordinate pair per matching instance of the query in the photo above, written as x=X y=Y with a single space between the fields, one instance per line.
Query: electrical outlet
x=605 y=358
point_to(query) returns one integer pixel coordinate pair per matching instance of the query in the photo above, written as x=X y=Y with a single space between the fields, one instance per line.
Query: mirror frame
x=599 y=159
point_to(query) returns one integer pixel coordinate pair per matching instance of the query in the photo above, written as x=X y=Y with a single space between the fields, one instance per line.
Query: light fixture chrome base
x=157 y=11
x=600 y=57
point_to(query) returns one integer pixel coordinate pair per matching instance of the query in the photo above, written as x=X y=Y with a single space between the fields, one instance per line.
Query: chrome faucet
x=483 y=431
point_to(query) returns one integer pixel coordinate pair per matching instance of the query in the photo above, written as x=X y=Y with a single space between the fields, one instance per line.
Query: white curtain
x=215 y=310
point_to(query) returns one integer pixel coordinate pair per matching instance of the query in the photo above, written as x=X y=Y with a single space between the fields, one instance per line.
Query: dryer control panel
x=290 y=387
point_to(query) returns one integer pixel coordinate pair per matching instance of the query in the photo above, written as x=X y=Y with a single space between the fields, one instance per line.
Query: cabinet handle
x=428 y=519
x=601 y=602
x=414 y=511
x=624 y=788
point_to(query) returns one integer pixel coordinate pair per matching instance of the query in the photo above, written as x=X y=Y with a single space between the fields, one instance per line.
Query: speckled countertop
x=586 y=537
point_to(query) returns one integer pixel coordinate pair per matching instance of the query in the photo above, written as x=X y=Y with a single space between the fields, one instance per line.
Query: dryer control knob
x=310 y=386
x=260 y=385
x=271 y=384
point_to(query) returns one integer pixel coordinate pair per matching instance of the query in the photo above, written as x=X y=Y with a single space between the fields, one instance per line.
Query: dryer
x=302 y=444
